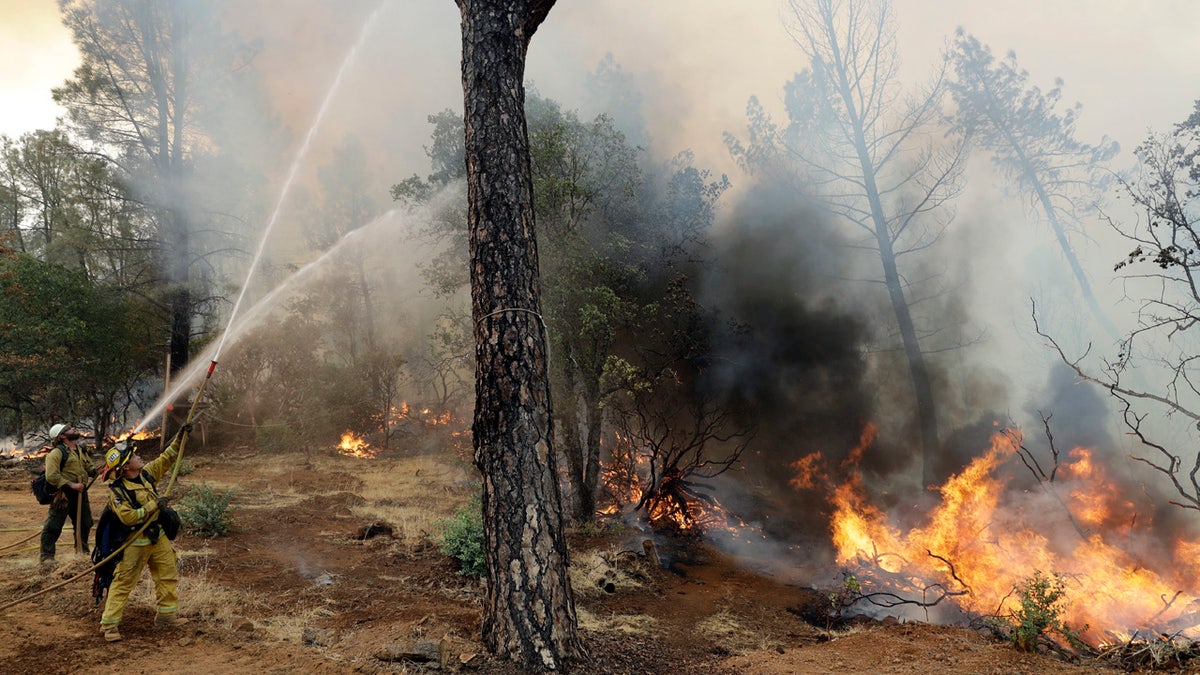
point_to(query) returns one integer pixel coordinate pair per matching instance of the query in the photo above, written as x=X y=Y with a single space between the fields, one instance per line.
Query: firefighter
x=134 y=499
x=68 y=467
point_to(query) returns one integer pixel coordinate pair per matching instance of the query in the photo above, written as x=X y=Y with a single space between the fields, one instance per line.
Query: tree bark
x=529 y=612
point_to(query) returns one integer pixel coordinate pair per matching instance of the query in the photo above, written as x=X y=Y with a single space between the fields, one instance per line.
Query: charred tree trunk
x=529 y=612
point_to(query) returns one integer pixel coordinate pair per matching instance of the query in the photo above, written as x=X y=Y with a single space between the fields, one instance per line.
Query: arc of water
x=283 y=195
x=253 y=316
x=291 y=176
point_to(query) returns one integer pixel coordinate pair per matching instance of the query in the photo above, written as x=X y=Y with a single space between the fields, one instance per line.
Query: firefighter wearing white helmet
x=134 y=499
x=68 y=468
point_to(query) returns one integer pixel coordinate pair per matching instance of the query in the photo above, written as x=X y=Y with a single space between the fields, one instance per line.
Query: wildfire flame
x=355 y=446
x=681 y=507
x=986 y=542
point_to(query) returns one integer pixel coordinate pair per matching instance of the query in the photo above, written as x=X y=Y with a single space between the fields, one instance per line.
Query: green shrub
x=844 y=597
x=461 y=538
x=1041 y=604
x=205 y=513
x=276 y=436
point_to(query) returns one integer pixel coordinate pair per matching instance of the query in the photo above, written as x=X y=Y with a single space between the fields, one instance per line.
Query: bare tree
x=870 y=157
x=529 y=611
x=1034 y=145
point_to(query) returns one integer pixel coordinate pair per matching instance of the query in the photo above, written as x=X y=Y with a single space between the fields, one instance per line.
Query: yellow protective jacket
x=144 y=492
x=76 y=469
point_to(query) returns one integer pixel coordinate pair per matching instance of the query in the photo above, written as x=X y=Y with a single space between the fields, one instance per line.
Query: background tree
x=529 y=611
x=69 y=349
x=867 y=155
x=614 y=233
x=343 y=204
x=1033 y=145
x=71 y=208
x=151 y=76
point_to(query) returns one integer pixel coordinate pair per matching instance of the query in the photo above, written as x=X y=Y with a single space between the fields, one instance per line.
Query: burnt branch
x=953 y=572
x=1046 y=480
x=1170 y=464
x=1167 y=463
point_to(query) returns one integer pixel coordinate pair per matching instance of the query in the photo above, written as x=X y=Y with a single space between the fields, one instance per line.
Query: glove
x=163 y=502
x=185 y=429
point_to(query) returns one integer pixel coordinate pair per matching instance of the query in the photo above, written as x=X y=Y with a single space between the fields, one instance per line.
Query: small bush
x=277 y=437
x=1041 y=603
x=461 y=538
x=205 y=513
x=843 y=598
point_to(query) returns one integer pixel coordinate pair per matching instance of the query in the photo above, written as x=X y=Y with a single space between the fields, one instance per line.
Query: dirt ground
x=295 y=588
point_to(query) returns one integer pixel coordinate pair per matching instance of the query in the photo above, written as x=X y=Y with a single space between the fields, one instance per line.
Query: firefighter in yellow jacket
x=134 y=499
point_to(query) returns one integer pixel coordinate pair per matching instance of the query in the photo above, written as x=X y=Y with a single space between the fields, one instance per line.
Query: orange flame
x=626 y=477
x=994 y=546
x=354 y=446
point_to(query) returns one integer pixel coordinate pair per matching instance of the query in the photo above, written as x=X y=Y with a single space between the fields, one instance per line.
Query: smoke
x=811 y=357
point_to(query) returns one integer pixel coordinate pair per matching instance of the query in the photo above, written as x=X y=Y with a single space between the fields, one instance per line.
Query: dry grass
x=408 y=493
x=632 y=624
x=596 y=572
x=412 y=493
x=726 y=628
x=199 y=595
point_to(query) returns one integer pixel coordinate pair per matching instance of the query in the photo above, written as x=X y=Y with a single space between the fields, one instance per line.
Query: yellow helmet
x=117 y=456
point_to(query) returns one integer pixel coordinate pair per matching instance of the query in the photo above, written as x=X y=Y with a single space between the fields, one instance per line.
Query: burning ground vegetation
x=1065 y=567
x=1064 y=563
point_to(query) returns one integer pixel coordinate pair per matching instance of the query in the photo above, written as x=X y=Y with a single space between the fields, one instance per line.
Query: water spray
x=303 y=152
x=283 y=195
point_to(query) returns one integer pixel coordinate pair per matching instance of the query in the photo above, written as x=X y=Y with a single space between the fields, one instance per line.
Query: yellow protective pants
x=160 y=558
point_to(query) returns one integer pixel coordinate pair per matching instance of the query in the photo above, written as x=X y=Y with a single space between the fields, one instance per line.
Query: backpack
x=41 y=489
x=111 y=533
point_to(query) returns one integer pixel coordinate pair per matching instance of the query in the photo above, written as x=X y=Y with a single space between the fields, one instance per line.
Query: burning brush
x=983 y=547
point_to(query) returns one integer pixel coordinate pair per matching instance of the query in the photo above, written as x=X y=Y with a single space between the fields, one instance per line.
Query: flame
x=807 y=470
x=678 y=505
x=982 y=540
x=355 y=446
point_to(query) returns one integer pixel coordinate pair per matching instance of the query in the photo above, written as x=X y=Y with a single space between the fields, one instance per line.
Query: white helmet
x=56 y=431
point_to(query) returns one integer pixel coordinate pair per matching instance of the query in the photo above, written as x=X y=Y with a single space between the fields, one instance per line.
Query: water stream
x=189 y=375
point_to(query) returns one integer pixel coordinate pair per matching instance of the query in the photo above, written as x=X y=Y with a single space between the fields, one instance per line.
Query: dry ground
x=294 y=590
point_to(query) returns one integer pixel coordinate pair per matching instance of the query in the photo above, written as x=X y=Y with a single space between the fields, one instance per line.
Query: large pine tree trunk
x=529 y=613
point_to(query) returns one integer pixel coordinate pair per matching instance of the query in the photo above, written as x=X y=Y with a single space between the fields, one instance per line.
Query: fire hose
x=133 y=537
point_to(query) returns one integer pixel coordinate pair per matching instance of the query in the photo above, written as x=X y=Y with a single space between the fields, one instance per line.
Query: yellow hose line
x=21 y=550
x=18 y=543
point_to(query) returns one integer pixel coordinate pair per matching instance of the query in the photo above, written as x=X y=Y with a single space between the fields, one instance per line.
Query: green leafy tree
x=71 y=208
x=1034 y=145
x=343 y=205
x=613 y=235
x=69 y=349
